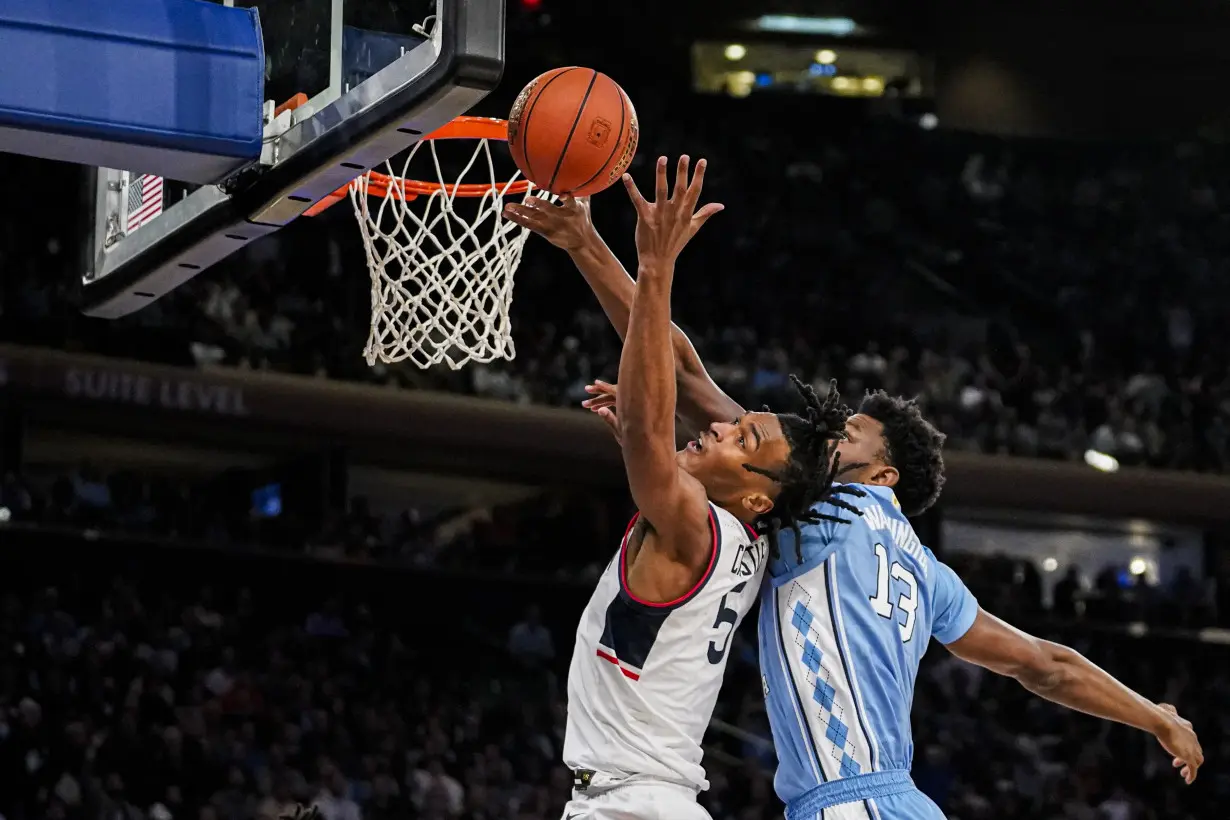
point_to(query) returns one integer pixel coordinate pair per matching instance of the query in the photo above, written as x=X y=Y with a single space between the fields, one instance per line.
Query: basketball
x=573 y=131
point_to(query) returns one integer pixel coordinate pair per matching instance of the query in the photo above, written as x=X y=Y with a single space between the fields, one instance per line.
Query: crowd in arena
x=1040 y=299
x=217 y=512
x=145 y=693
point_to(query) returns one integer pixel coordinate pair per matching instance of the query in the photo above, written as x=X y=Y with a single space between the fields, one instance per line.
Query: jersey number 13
x=908 y=600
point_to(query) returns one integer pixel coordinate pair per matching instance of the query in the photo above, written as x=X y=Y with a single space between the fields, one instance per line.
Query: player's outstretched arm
x=1063 y=675
x=672 y=501
x=568 y=226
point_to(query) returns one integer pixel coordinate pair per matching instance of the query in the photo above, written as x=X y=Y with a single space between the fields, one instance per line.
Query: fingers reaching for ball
x=665 y=225
x=565 y=225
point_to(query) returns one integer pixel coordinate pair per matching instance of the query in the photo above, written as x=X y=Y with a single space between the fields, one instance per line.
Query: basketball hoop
x=442 y=280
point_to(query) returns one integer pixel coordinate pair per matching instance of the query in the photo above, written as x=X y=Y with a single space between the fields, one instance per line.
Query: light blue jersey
x=841 y=635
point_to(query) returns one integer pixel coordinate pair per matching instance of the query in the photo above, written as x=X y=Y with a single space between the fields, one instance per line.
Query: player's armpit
x=676 y=508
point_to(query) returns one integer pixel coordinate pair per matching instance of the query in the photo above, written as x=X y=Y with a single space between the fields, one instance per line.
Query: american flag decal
x=144 y=200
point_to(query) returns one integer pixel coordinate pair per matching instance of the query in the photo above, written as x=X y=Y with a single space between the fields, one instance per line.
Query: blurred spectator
x=153 y=696
x=529 y=641
x=334 y=801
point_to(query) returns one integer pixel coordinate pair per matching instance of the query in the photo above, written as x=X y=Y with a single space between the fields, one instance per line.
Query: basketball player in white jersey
x=652 y=644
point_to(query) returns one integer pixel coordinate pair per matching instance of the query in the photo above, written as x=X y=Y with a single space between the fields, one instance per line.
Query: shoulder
x=728 y=527
x=868 y=497
x=839 y=514
x=742 y=550
x=851 y=512
x=687 y=530
x=849 y=500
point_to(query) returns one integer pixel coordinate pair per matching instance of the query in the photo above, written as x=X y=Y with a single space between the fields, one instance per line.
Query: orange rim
x=475 y=128
x=294 y=102
x=472 y=128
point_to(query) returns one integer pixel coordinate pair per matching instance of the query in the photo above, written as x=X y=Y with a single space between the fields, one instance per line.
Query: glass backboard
x=320 y=48
x=369 y=78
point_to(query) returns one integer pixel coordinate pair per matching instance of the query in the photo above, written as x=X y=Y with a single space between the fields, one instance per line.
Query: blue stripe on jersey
x=816 y=717
x=851 y=677
x=843 y=649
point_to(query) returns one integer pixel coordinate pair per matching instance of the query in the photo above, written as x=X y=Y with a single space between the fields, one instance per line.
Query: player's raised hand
x=666 y=225
x=1179 y=739
x=566 y=225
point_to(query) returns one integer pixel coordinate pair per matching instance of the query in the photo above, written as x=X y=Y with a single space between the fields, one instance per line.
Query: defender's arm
x=568 y=226
x=1063 y=675
x=700 y=400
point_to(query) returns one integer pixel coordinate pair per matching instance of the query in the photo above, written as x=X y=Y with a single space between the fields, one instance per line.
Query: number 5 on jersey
x=907 y=602
x=725 y=615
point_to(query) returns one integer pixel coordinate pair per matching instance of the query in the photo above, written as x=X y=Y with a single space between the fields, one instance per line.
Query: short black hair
x=912 y=445
x=807 y=478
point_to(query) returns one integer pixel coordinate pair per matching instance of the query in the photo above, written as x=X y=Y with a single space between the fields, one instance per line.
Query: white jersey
x=645 y=677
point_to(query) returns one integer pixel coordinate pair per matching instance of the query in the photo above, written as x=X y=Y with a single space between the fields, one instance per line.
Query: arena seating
x=1041 y=299
x=163 y=655
x=164 y=681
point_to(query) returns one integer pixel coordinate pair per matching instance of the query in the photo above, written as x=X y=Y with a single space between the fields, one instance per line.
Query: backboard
x=348 y=84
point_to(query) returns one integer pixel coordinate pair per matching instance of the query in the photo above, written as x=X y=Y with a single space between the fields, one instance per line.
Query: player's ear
x=885 y=476
x=758 y=503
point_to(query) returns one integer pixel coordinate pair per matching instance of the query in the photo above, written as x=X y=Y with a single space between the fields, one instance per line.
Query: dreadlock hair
x=912 y=445
x=807 y=478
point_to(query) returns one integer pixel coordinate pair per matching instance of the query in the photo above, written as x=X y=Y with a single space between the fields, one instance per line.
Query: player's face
x=862 y=453
x=716 y=458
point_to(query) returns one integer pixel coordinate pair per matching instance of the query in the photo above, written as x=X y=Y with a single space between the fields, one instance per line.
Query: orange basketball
x=573 y=131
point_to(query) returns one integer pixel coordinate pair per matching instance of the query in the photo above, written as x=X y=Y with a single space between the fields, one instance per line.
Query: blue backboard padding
x=175 y=83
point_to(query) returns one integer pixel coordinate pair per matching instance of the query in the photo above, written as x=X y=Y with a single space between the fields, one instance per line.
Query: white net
x=441 y=264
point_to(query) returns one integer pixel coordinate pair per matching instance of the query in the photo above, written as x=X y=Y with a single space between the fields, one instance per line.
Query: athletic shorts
x=639 y=800
x=911 y=805
x=889 y=795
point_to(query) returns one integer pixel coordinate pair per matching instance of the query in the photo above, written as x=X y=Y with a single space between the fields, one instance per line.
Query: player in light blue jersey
x=848 y=611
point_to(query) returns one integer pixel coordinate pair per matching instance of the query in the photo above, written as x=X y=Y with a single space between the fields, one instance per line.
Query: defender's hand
x=666 y=225
x=603 y=404
x=602 y=393
x=567 y=225
x=1178 y=738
